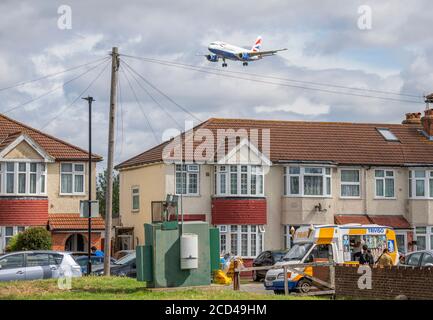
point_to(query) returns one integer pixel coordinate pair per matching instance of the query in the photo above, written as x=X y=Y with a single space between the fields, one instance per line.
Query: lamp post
x=89 y=230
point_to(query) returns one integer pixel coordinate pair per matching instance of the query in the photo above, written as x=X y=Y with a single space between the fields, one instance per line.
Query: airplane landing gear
x=245 y=64
x=224 y=64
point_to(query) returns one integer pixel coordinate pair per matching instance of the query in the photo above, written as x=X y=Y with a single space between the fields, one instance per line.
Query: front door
x=12 y=267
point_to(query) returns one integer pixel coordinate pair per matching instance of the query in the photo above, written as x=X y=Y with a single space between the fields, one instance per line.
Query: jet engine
x=244 y=56
x=212 y=57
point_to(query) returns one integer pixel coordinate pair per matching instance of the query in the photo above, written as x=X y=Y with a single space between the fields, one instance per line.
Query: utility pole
x=89 y=236
x=109 y=195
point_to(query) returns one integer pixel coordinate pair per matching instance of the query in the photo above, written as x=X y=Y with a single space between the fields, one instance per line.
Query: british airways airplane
x=222 y=50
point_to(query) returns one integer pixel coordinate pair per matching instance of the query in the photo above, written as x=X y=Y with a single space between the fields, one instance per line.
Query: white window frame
x=428 y=236
x=251 y=170
x=428 y=176
x=74 y=173
x=135 y=194
x=3 y=236
x=259 y=233
x=326 y=193
x=41 y=170
x=385 y=170
x=190 y=169
x=346 y=183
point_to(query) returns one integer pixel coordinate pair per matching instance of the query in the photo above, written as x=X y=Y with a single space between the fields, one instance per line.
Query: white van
x=329 y=243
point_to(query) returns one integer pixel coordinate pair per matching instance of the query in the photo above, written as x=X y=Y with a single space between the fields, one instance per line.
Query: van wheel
x=255 y=276
x=304 y=286
x=279 y=291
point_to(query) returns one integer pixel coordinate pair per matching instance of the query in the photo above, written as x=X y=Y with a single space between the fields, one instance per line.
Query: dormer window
x=387 y=134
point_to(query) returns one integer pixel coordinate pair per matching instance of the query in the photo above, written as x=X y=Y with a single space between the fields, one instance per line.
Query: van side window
x=321 y=253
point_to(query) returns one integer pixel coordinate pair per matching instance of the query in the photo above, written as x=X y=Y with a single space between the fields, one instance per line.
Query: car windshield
x=126 y=259
x=297 y=252
x=278 y=256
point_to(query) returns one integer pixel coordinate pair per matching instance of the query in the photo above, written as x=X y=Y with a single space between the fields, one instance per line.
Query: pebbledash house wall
x=157 y=180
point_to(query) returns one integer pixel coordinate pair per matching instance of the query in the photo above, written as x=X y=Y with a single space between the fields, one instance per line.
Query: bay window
x=420 y=183
x=241 y=240
x=384 y=182
x=350 y=183
x=239 y=180
x=187 y=179
x=71 y=178
x=307 y=181
x=22 y=178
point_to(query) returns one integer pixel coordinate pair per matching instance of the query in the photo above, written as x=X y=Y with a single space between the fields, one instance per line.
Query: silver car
x=32 y=265
x=421 y=258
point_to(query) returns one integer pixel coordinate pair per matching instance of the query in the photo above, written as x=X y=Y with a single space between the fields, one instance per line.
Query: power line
x=64 y=109
x=276 y=78
x=154 y=100
x=162 y=93
x=219 y=72
x=20 y=84
x=140 y=106
x=53 y=90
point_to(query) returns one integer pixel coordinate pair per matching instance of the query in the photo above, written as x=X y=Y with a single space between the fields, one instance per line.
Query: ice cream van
x=329 y=243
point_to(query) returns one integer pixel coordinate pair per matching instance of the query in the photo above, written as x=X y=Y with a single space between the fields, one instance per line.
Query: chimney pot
x=412 y=118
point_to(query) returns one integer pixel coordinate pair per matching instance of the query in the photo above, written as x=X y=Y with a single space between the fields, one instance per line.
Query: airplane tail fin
x=257 y=44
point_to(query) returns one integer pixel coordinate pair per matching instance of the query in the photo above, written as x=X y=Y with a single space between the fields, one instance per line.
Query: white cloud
x=301 y=106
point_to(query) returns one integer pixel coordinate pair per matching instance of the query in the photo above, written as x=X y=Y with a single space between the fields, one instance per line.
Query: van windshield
x=297 y=252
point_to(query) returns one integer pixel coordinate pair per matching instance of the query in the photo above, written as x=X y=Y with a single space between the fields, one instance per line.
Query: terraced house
x=42 y=180
x=313 y=173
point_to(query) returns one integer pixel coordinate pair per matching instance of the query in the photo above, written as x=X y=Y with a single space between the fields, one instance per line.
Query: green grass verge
x=120 y=288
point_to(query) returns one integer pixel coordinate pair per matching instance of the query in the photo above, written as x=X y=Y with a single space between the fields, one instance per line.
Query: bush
x=12 y=243
x=34 y=238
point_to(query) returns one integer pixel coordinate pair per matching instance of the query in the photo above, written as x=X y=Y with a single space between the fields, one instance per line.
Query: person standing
x=385 y=259
x=97 y=252
x=366 y=256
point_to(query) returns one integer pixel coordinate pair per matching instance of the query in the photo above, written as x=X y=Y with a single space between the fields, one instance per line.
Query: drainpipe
x=365 y=191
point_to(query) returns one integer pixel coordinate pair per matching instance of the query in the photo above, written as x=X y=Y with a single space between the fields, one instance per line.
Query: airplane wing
x=265 y=53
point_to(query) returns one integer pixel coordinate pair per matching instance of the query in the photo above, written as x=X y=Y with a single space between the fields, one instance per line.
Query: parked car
x=96 y=262
x=121 y=253
x=421 y=258
x=124 y=267
x=266 y=258
x=33 y=265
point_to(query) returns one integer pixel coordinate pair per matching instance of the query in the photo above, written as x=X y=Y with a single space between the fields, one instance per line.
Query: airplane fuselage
x=225 y=50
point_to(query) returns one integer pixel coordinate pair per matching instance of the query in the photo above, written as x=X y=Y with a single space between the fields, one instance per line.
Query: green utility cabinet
x=159 y=260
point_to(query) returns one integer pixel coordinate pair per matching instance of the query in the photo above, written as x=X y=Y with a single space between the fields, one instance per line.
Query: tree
x=33 y=238
x=101 y=189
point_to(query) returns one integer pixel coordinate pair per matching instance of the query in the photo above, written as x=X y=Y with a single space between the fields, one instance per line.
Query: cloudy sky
x=325 y=45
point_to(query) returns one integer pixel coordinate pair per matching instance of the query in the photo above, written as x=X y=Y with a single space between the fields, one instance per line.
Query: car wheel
x=304 y=286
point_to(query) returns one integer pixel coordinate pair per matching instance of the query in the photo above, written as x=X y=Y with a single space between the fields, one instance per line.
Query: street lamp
x=89 y=230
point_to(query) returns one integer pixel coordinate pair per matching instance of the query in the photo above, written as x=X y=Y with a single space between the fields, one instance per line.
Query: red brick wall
x=59 y=239
x=238 y=211
x=387 y=283
x=23 y=212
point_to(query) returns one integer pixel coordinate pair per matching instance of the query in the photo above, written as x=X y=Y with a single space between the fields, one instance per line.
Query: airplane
x=223 y=50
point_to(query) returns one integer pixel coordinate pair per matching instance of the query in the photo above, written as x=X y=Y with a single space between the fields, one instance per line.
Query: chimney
x=427 y=120
x=412 y=118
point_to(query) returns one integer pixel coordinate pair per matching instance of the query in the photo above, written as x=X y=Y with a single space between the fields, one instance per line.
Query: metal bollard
x=235 y=276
